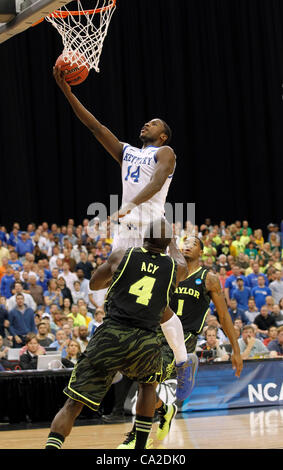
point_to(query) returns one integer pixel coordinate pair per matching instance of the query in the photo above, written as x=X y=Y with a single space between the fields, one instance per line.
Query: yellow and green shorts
x=134 y=352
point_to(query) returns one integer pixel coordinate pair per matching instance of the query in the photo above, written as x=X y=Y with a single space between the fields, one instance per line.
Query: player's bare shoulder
x=212 y=283
x=166 y=155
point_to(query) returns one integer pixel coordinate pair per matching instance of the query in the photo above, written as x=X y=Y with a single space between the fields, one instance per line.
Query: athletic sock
x=143 y=428
x=54 y=441
x=162 y=410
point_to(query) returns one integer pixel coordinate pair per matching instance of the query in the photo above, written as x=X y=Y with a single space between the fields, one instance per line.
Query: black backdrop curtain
x=211 y=68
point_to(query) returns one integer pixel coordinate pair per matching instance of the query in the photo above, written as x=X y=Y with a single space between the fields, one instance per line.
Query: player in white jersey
x=146 y=172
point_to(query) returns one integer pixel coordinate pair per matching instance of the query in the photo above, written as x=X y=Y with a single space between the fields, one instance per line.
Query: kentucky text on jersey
x=129 y=157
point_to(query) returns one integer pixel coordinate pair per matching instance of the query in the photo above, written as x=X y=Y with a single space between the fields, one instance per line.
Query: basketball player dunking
x=146 y=172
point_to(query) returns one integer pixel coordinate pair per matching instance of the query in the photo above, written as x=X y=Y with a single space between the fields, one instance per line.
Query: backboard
x=27 y=12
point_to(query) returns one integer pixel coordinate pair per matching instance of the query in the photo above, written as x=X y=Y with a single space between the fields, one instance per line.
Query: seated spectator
x=65 y=291
x=28 y=360
x=85 y=265
x=42 y=335
x=68 y=330
x=242 y=294
x=53 y=295
x=57 y=319
x=46 y=319
x=84 y=312
x=67 y=305
x=236 y=312
x=276 y=287
x=69 y=277
x=231 y=282
x=277 y=315
x=269 y=302
x=83 y=337
x=272 y=335
x=277 y=344
x=281 y=305
x=84 y=282
x=35 y=290
x=6 y=283
x=4 y=252
x=76 y=316
x=21 y=320
x=222 y=263
x=3 y=267
x=73 y=353
x=251 y=251
x=77 y=250
x=97 y=321
x=249 y=345
x=213 y=344
x=78 y=294
x=28 y=300
x=60 y=342
x=3 y=354
x=211 y=320
x=24 y=245
x=4 y=318
x=263 y=321
x=252 y=279
x=252 y=310
x=260 y=292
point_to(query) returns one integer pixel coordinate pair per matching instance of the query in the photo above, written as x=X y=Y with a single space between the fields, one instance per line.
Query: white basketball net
x=83 y=34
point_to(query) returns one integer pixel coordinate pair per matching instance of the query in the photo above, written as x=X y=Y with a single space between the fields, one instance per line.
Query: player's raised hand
x=59 y=76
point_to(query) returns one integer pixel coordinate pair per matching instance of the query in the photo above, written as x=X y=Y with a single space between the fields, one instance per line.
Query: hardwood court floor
x=242 y=429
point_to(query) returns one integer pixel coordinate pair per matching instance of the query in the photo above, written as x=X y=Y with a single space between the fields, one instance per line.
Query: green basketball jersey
x=191 y=301
x=141 y=289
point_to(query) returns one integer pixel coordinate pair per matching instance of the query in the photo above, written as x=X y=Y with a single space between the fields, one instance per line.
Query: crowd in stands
x=46 y=303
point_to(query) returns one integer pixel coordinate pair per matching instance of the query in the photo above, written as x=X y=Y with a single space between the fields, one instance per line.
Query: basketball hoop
x=83 y=31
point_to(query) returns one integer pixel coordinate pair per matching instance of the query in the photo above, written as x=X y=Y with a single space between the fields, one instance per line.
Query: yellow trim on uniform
x=171 y=279
x=143 y=249
x=76 y=399
x=194 y=272
x=126 y=262
x=205 y=315
x=203 y=273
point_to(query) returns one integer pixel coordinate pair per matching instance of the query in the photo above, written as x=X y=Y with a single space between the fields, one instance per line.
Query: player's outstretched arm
x=214 y=288
x=101 y=133
x=102 y=277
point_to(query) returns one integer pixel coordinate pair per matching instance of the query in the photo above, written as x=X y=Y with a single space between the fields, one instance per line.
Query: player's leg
x=62 y=424
x=145 y=409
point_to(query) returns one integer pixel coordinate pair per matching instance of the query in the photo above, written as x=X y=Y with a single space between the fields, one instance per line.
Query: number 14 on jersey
x=134 y=174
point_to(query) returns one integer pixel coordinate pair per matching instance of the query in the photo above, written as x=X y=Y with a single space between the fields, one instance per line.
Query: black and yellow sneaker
x=165 y=422
x=130 y=442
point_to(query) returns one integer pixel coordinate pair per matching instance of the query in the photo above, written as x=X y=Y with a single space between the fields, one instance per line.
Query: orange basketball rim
x=65 y=13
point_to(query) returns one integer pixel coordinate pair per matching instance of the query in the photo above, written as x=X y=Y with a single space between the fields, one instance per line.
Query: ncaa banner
x=216 y=387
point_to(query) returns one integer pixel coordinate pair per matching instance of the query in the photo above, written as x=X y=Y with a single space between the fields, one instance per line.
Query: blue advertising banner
x=260 y=384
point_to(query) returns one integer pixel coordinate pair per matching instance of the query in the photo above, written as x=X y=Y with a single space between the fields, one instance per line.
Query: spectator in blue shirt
x=231 y=282
x=260 y=292
x=241 y=294
x=21 y=322
x=61 y=342
x=252 y=279
x=6 y=283
x=14 y=262
x=277 y=344
x=236 y=312
x=14 y=236
x=24 y=245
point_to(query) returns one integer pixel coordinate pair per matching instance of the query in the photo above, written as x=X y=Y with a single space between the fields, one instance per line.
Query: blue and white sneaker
x=186 y=374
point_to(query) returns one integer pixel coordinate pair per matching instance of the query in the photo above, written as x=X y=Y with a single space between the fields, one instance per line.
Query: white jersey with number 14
x=138 y=166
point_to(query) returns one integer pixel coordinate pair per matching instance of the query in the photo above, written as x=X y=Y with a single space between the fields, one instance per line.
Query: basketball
x=75 y=73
